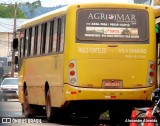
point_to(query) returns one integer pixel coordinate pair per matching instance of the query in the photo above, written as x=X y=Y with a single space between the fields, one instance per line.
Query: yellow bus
x=87 y=58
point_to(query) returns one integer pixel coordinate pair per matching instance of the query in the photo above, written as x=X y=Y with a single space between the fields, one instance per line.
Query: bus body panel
x=120 y=62
x=140 y=94
x=94 y=71
x=39 y=71
x=20 y=81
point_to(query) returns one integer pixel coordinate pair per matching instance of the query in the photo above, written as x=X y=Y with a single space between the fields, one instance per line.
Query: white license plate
x=112 y=84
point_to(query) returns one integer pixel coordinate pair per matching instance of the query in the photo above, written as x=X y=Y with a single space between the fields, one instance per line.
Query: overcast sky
x=51 y=3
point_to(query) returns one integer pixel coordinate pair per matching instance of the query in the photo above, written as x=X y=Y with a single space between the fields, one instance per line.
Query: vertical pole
x=14 y=36
x=8 y=44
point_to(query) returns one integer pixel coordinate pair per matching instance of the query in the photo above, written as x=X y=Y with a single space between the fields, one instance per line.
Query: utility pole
x=14 y=36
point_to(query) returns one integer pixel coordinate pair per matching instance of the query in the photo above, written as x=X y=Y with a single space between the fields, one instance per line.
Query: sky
x=51 y=3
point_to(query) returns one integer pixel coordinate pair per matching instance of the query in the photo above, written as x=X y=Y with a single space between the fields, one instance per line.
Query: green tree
x=33 y=6
x=7 y=11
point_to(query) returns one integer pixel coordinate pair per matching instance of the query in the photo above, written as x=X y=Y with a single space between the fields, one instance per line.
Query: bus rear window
x=112 y=25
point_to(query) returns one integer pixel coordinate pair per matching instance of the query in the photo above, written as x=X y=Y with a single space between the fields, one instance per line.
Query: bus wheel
x=26 y=107
x=48 y=107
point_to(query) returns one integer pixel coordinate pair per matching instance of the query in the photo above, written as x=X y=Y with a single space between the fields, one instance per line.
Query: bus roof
x=44 y=17
x=61 y=11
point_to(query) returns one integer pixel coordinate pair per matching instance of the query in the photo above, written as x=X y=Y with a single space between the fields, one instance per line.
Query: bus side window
x=43 y=38
x=39 y=39
x=51 y=37
x=20 y=47
x=58 y=35
x=32 y=40
x=55 y=36
x=47 y=37
x=29 y=41
x=62 y=34
x=35 y=40
x=24 y=42
x=21 y=43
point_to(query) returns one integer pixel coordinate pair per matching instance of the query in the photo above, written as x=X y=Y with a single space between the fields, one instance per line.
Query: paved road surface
x=12 y=108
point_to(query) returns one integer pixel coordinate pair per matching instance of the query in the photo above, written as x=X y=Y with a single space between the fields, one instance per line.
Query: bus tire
x=26 y=107
x=49 y=113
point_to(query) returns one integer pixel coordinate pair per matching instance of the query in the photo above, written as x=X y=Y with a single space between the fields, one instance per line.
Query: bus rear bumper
x=79 y=93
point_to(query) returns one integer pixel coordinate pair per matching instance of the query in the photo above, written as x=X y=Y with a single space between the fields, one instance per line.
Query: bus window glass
x=112 y=25
x=32 y=40
x=20 y=47
x=51 y=36
x=58 y=34
x=43 y=38
x=24 y=42
x=29 y=41
x=39 y=39
x=55 y=36
x=47 y=37
x=21 y=43
x=62 y=34
x=35 y=40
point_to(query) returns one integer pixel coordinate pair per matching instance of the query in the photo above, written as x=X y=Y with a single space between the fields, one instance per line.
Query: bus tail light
x=152 y=66
x=72 y=70
x=72 y=73
x=71 y=65
x=151 y=73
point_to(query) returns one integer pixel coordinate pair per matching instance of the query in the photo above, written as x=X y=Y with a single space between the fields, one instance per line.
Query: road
x=12 y=109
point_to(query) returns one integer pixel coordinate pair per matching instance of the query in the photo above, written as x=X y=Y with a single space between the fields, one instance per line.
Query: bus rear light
x=73 y=80
x=113 y=96
x=151 y=74
x=109 y=97
x=71 y=65
x=150 y=81
x=152 y=66
x=73 y=92
x=72 y=73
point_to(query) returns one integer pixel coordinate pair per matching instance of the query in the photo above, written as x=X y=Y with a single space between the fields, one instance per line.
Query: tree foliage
x=33 y=6
x=8 y=11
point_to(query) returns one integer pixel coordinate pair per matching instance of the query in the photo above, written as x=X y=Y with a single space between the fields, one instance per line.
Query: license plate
x=112 y=84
